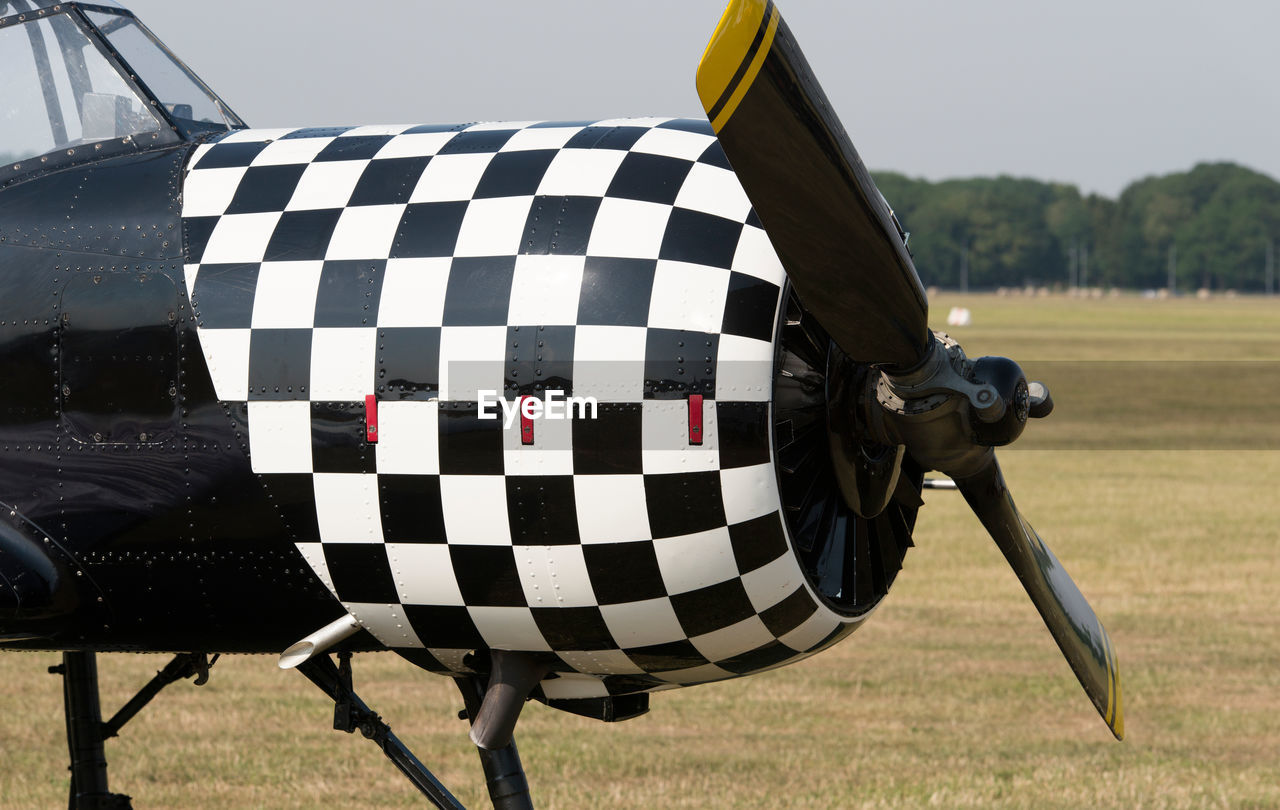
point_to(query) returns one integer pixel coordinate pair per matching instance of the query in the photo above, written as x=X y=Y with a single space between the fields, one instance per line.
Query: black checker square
x=349 y=293
x=338 y=443
x=743 y=430
x=223 y=295
x=389 y=182
x=294 y=497
x=479 y=291
x=620 y=138
x=469 y=445
x=712 y=608
x=715 y=156
x=279 y=364
x=361 y=572
x=616 y=292
x=539 y=358
x=196 y=232
x=757 y=542
x=573 y=628
x=477 y=141
x=444 y=626
x=698 y=126
x=789 y=613
x=637 y=559
x=678 y=363
x=649 y=178
x=302 y=235
x=612 y=443
x=761 y=658
x=751 y=307
x=266 y=188
x=316 y=132
x=684 y=503
x=514 y=174
x=355 y=147
x=429 y=229
x=542 y=510
x=487 y=576
x=230 y=155
x=669 y=657
x=699 y=238
x=559 y=226
x=408 y=362
x=411 y=508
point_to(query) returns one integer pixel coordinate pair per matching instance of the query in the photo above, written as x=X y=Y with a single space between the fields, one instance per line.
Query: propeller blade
x=1065 y=611
x=832 y=230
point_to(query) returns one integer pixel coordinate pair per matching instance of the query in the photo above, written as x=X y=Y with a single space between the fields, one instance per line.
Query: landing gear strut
x=86 y=733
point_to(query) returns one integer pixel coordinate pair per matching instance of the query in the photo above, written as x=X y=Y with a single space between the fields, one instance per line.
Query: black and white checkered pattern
x=613 y=259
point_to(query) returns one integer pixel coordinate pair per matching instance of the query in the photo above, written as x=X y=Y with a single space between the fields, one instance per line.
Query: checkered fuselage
x=617 y=261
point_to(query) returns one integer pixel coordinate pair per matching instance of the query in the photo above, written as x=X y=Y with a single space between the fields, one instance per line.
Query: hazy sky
x=1092 y=92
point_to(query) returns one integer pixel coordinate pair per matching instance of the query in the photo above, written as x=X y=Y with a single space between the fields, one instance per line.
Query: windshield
x=61 y=92
x=191 y=105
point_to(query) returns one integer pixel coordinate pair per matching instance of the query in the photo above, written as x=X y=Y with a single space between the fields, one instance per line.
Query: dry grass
x=952 y=696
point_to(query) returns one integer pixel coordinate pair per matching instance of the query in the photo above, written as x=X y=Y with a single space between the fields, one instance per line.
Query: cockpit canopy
x=84 y=80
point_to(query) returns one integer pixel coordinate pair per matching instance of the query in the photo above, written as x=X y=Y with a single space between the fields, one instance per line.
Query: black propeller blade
x=828 y=223
x=845 y=255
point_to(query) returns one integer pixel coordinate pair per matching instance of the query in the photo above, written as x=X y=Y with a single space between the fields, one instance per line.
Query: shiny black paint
x=113 y=445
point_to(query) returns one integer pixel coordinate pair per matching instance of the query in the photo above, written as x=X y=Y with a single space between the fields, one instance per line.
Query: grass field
x=954 y=695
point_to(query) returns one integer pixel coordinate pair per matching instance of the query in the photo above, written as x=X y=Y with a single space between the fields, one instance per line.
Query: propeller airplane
x=565 y=411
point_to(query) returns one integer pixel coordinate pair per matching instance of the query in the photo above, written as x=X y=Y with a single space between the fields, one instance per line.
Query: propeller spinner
x=847 y=260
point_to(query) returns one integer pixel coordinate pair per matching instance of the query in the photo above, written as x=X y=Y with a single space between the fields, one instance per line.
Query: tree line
x=1212 y=227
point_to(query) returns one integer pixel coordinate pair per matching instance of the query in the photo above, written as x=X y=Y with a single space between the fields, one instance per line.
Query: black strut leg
x=85 y=735
x=351 y=713
x=508 y=786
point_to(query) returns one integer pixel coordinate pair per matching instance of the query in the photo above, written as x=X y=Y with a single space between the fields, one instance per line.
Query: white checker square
x=450 y=177
x=736 y=639
x=650 y=121
x=471 y=361
x=499 y=126
x=313 y=553
x=347 y=507
x=674 y=143
x=408 y=438
x=571 y=687
x=453 y=660
x=327 y=184
x=387 y=623
x=365 y=232
x=545 y=289
x=812 y=631
x=608 y=362
x=744 y=369
x=581 y=172
x=291 y=151
x=342 y=363
x=554 y=576
x=226 y=353
x=540 y=138
x=714 y=190
x=208 y=192
x=693 y=561
x=688 y=296
x=416 y=144
x=475 y=510
x=629 y=229
x=508 y=628
x=640 y=624
x=550 y=454
x=664 y=443
x=190 y=272
x=376 y=130
x=240 y=238
x=755 y=256
x=493 y=227
x=285 y=297
x=424 y=574
x=770 y=584
x=255 y=135
x=413 y=292
x=280 y=437
x=611 y=508
x=600 y=662
x=749 y=492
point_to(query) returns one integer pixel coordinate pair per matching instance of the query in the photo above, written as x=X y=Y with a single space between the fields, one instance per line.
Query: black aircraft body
x=566 y=411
